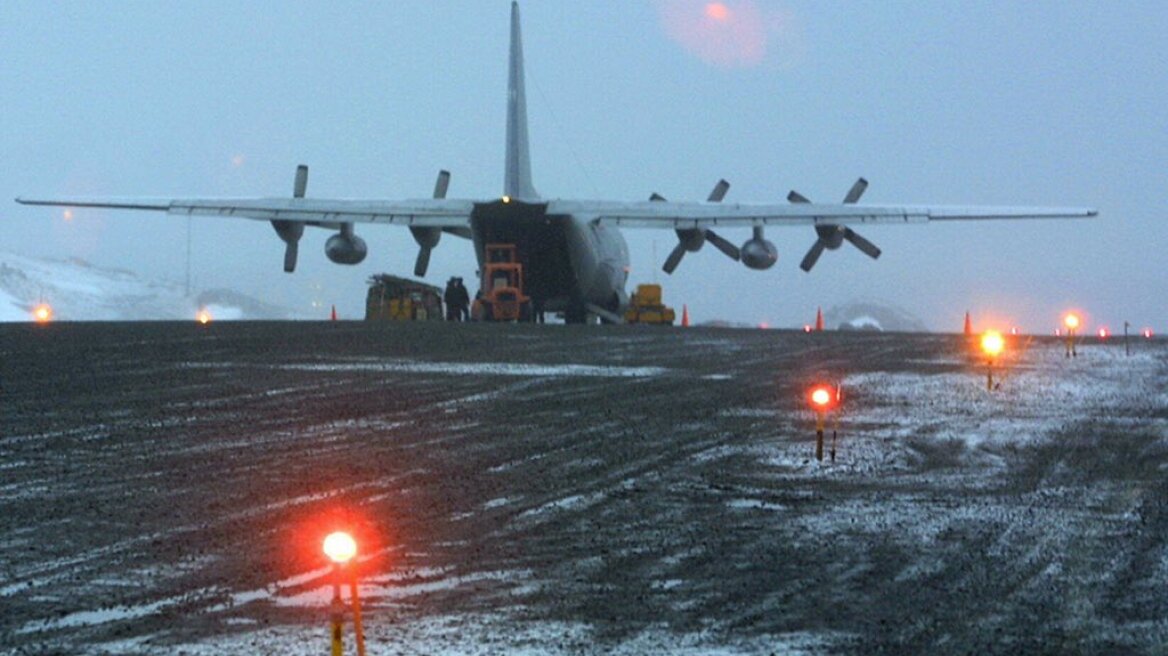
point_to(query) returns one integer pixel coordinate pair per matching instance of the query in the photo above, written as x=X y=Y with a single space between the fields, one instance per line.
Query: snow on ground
x=480 y=635
x=79 y=291
x=888 y=422
x=1041 y=392
x=1038 y=393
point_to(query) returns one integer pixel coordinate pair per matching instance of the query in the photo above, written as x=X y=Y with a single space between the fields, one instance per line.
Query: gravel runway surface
x=164 y=488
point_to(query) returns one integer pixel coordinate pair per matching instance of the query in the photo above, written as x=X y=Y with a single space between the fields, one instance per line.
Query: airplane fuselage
x=569 y=262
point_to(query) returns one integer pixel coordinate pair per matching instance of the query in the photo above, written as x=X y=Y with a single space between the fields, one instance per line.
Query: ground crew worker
x=450 y=297
x=462 y=298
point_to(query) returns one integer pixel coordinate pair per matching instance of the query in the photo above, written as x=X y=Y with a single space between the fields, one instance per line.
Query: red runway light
x=340 y=547
x=822 y=397
x=992 y=343
x=1104 y=333
x=1147 y=333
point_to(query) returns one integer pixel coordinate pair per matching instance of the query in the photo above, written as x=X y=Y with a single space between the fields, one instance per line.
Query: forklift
x=501 y=296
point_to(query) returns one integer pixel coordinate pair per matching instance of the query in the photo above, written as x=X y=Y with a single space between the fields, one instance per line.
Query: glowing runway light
x=1147 y=332
x=203 y=317
x=1104 y=333
x=42 y=313
x=340 y=547
x=992 y=343
x=822 y=397
x=1071 y=321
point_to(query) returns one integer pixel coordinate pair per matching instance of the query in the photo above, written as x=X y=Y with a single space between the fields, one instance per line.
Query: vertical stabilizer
x=517 y=179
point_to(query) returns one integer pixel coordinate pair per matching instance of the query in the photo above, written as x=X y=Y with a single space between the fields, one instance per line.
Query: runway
x=576 y=489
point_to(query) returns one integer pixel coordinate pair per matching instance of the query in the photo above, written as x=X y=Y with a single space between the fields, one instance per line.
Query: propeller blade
x=674 y=258
x=422 y=263
x=812 y=255
x=796 y=197
x=300 y=185
x=721 y=244
x=719 y=192
x=291 y=250
x=656 y=197
x=859 y=242
x=441 y=184
x=856 y=191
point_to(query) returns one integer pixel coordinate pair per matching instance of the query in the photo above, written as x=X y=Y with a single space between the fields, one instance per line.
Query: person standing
x=450 y=297
x=463 y=299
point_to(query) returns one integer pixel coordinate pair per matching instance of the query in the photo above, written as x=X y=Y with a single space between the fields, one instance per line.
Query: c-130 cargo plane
x=575 y=259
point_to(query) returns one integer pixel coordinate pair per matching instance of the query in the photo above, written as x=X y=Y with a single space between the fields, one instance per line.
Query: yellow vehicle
x=501 y=296
x=392 y=298
x=645 y=306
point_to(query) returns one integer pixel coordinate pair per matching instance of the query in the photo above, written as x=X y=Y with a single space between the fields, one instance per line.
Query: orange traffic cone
x=333 y=316
x=684 y=316
x=968 y=324
x=819 y=319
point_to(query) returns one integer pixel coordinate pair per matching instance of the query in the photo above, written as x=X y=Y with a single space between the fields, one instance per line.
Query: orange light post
x=340 y=547
x=992 y=344
x=1071 y=321
x=822 y=398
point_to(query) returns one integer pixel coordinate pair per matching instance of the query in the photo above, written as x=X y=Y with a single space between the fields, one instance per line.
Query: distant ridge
x=80 y=291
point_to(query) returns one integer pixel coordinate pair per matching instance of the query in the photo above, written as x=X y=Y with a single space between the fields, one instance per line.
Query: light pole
x=822 y=398
x=992 y=344
x=340 y=547
x=1071 y=321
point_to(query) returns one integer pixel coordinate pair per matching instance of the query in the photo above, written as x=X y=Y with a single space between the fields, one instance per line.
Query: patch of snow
x=79 y=291
x=478 y=634
x=490 y=369
x=754 y=504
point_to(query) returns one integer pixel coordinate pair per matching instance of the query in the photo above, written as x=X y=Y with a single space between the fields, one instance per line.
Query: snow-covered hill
x=79 y=291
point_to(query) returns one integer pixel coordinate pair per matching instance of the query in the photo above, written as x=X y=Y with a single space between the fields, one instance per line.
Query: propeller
x=831 y=236
x=692 y=239
x=427 y=238
x=291 y=231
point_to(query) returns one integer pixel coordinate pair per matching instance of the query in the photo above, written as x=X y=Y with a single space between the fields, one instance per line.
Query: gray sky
x=1042 y=103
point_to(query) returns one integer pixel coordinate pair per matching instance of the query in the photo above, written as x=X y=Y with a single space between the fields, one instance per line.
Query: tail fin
x=517 y=179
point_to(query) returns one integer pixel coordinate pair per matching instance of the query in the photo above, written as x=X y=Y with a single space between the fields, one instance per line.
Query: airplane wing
x=449 y=214
x=690 y=216
x=695 y=222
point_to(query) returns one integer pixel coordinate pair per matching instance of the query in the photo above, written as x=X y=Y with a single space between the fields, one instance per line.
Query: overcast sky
x=1039 y=103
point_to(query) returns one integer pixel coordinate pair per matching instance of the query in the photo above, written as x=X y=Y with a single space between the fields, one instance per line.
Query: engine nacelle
x=344 y=248
x=289 y=231
x=758 y=253
x=693 y=239
x=426 y=237
x=832 y=236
